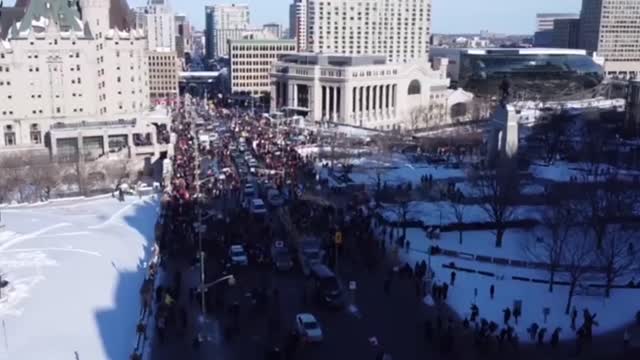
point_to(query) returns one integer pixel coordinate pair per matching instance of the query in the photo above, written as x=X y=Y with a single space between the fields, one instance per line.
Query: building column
x=289 y=94
x=345 y=104
x=295 y=95
x=105 y=144
x=370 y=97
x=336 y=110
x=374 y=103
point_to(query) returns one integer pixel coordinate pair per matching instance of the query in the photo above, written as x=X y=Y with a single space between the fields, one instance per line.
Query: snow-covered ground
x=612 y=314
x=74 y=270
x=441 y=213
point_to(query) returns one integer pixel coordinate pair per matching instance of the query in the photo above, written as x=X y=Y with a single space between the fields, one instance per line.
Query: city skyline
x=516 y=17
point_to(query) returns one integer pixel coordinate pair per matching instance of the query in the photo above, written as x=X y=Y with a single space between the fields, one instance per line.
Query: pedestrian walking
x=574 y=316
x=445 y=291
x=555 y=338
x=626 y=339
x=507 y=315
x=541 y=334
x=492 y=291
x=453 y=278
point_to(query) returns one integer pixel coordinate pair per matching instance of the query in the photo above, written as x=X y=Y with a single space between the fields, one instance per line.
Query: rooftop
x=510 y=51
x=338 y=60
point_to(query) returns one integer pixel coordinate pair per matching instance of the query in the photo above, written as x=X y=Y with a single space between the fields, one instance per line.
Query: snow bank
x=74 y=272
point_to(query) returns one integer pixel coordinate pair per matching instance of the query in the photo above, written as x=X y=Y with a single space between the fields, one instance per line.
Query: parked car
x=274 y=198
x=257 y=207
x=281 y=257
x=308 y=327
x=238 y=256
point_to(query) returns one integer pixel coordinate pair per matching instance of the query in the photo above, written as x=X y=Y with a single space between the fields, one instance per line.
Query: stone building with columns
x=357 y=90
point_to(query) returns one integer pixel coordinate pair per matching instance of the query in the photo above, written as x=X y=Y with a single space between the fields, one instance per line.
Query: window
x=9 y=136
x=58 y=110
x=36 y=136
x=414 y=88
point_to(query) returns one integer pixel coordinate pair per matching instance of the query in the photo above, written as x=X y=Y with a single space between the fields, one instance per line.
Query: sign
x=352 y=285
x=338 y=238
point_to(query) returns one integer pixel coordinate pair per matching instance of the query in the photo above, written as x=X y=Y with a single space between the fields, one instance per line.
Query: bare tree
x=558 y=221
x=456 y=202
x=418 y=115
x=617 y=257
x=578 y=259
x=606 y=200
x=498 y=190
x=43 y=177
x=551 y=135
x=12 y=177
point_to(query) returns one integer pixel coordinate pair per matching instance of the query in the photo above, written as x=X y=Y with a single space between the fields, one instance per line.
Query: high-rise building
x=219 y=19
x=76 y=78
x=298 y=23
x=158 y=21
x=163 y=76
x=183 y=35
x=612 y=29
x=273 y=29
x=545 y=21
x=398 y=29
x=251 y=62
x=565 y=33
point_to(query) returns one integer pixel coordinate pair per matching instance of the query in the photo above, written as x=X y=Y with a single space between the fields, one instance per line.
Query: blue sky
x=449 y=16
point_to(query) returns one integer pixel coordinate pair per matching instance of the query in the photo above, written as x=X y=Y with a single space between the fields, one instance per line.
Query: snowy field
x=74 y=270
x=613 y=314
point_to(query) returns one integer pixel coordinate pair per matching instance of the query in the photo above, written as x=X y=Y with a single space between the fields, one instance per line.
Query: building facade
x=611 y=28
x=364 y=90
x=274 y=29
x=298 y=23
x=222 y=20
x=184 y=37
x=251 y=62
x=158 y=21
x=397 y=29
x=222 y=48
x=164 y=69
x=62 y=71
x=545 y=21
x=566 y=33
x=534 y=73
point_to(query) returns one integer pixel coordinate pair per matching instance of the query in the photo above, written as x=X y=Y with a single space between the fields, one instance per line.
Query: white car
x=238 y=255
x=308 y=327
x=257 y=207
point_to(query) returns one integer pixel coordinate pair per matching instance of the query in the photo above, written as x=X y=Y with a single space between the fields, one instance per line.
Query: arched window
x=414 y=87
x=459 y=110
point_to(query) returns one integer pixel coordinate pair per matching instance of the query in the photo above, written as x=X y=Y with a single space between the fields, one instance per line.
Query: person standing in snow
x=626 y=338
x=492 y=291
x=555 y=338
x=445 y=291
x=507 y=315
x=574 y=316
x=453 y=278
